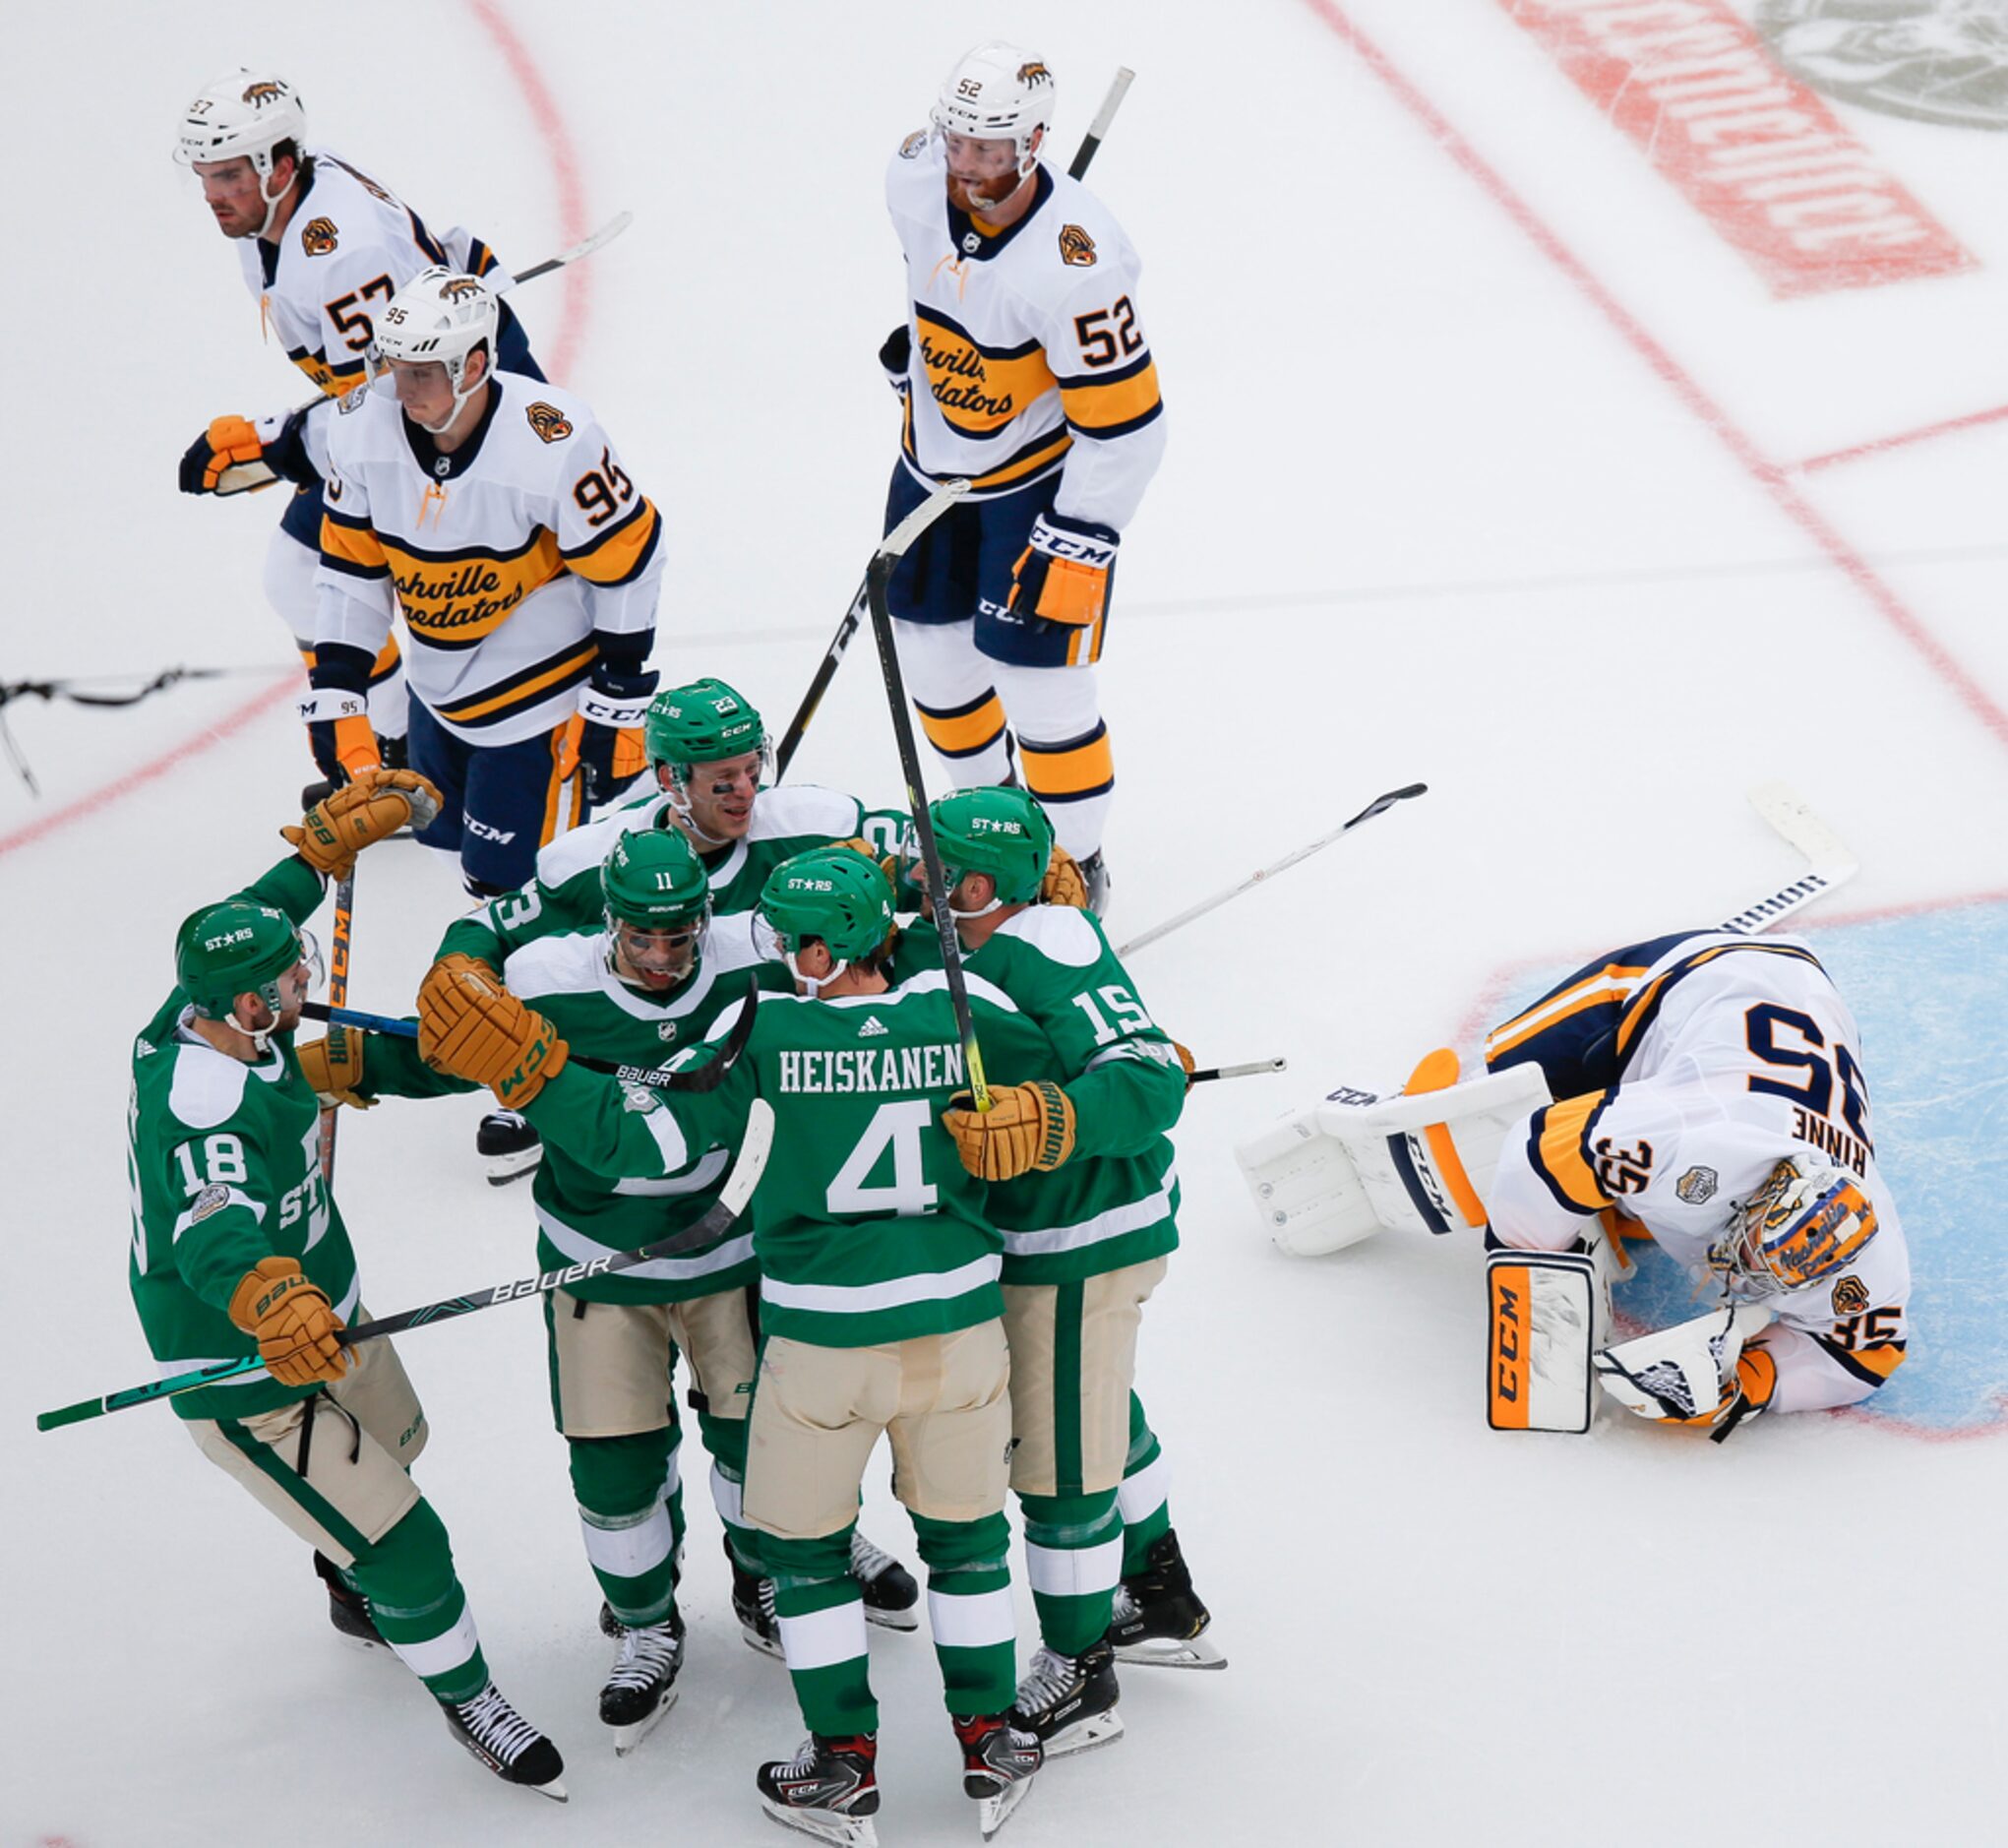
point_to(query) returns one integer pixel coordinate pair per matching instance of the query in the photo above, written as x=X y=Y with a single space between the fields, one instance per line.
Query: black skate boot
x=1094 y=869
x=1068 y=1702
x=507 y=1742
x=753 y=1603
x=642 y=1686
x=346 y=1609
x=312 y=794
x=828 y=1789
x=999 y=1760
x=1158 y=1619
x=510 y=1146
x=891 y=1597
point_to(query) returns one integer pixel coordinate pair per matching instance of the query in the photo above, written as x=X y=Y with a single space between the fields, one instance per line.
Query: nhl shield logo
x=665 y=1031
x=1697 y=1186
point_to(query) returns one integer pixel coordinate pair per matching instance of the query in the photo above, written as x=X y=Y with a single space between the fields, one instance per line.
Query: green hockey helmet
x=236 y=948
x=1000 y=831
x=653 y=879
x=833 y=895
x=702 y=724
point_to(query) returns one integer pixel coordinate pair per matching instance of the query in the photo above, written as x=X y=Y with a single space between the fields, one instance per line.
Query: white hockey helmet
x=996 y=91
x=245 y=115
x=441 y=315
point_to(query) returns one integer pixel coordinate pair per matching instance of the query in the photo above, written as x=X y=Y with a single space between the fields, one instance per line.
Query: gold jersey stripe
x=1559 y=1152
x=619 y=553
x=1612 y=982
x=528 y=694
x=1095 y=405
x=353 y=545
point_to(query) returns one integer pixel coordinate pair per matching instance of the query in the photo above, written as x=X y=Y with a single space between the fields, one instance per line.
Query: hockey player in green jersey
x=629 y=996
x=239 y=1249
x=1085 y=1244
x=880 y=1304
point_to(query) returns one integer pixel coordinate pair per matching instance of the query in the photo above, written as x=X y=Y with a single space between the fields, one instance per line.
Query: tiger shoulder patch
x=548 y=421
x=320 y=237
x=1076 y=247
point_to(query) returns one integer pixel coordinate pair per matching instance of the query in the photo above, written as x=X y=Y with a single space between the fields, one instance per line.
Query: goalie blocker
x=1420 y=1162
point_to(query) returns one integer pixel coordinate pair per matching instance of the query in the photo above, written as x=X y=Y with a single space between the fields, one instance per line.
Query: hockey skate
x=828 y=1789
x=507 y=1742
x=753 y=1603
x=641 y=1689
x=998 y=1763
x=891 y=1597
x=510 y=1146
x=1068 y=1702
x=347 y=1609
x=1158 y=1621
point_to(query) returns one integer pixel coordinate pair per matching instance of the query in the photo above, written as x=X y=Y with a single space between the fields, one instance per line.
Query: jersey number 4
x=898 y=1127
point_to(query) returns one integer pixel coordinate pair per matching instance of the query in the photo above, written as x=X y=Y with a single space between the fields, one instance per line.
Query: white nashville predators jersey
x=1734 y=1054
x=504 y=557
x=349 y=246
x=1029 y=353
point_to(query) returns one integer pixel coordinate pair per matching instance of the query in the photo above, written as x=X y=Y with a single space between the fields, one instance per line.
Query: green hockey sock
x=1073 y=1556
x=969 y=1610
x=725 y=1438
x=629 y=1499
x=822 y=1631
x=1143 y=1497
x=418 y=1606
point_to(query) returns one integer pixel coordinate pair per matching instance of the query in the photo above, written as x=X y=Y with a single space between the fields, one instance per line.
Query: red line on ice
x=574 y=310
x=1882 y=445
x=1774 y=479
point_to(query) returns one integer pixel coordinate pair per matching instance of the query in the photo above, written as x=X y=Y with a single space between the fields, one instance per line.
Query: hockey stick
x=1830 y=864
x=1378 y=806
x=704 y=1077
x=337 y=995
x=1254 y=1068
x=832 y=656
x=890 y=549
x=731 y=1202
x=248 y=477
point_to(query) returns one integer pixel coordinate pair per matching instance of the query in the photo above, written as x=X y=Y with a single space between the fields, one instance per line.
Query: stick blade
x=1786 y=812
x=753 y=1147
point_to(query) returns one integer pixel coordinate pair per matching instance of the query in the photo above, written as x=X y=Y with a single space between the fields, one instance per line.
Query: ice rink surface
x=1485 y=416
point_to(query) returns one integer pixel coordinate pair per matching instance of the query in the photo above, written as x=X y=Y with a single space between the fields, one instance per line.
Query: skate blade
x=503 y=1169
x=764 y=1645
x=1173 y=1652
x=991 y=1812
x=555 y=1790
x=1098 y=1729
x=908 y=1619
x=627 y=1738
x=847 y=1831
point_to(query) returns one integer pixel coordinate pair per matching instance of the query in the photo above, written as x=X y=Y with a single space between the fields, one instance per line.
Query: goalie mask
x=1807 y=1221
x=441 y=317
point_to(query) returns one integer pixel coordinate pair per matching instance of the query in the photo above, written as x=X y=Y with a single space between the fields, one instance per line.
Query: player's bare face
x=423 y=388
x=721 y=794
x=983 y=175
x=234 y=194
x=655 y=960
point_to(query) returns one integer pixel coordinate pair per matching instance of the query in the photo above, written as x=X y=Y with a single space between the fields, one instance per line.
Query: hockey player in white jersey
x=491 y=509
x=1711 y=1096
x=323 y=247
x=1024 y=368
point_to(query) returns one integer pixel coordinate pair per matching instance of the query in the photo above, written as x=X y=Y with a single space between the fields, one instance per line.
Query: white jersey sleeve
x=609 y=535
x=355 y=594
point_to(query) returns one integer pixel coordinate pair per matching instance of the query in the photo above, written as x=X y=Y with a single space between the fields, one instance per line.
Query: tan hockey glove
x=294 y=1323
x=334 y=1068
x=370 y=807
x=1063 y=884
x=470 y=1026
x=1027 y=1126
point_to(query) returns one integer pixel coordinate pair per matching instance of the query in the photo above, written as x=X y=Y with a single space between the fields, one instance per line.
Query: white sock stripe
x=1074 y=1571
x=727 y=1497
x=972 y=1623
x=629 y=1552
x=823 y=1638
x=1145 y=1491
x=441 y=1654
x=673 y=1479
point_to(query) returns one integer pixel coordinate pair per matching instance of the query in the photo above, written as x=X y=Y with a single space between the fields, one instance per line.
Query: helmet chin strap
x=455 y=371
x=680 y=802
x=811 y=985
x=273 y=200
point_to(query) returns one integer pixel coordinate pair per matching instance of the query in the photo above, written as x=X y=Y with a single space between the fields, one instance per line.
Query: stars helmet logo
x=548 y=421
x=1851 y=1296
x=319 y=237
x=1076 y=247
x=1696 y=1188
x=260 y=93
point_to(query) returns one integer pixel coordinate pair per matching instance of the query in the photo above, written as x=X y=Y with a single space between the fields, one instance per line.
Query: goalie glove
x=1062 y=576
x=1698 y=1373
x=273 y=444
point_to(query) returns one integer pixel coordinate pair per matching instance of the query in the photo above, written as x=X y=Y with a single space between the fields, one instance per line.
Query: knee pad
x=618 y=1476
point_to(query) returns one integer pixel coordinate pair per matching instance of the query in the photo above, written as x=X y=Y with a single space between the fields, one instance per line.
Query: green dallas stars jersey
x=1116 y=1201
x=866 y=1225
x=224 y=1164
x=565 y=894
x=583 y=1214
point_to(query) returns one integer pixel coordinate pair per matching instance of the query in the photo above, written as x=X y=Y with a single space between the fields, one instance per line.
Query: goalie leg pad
x=1541 y=1320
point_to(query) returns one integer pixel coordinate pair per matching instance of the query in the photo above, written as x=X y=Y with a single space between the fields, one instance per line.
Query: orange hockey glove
x=293 y=1320
x=369 y=808
x=334 y=1068
x=474 y=1029
x=1027 y=1126
x=1063 y=884
x=1064 y=573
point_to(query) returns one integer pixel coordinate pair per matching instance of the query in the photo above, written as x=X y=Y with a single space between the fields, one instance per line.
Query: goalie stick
x=731 y=1202
x=832 y=656
x=1829 y=863
x=248 y=477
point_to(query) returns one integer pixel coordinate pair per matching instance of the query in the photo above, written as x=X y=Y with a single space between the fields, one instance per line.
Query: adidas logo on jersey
x=873 y=1028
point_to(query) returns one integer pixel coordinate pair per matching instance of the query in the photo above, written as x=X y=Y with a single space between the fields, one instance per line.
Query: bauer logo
x=1941 y=61
x=548 y=421
x=319 y=237
x=1076 y=247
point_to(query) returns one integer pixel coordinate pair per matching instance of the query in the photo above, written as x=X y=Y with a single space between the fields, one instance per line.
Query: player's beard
x=980 y=198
